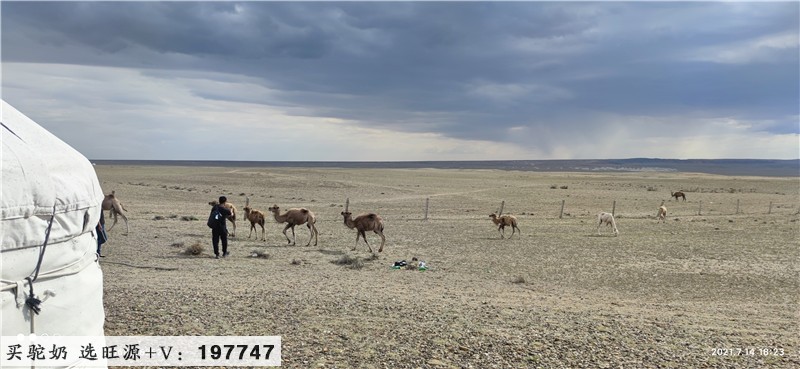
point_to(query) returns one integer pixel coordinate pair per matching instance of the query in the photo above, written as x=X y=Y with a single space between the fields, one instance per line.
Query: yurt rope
x=33 y=302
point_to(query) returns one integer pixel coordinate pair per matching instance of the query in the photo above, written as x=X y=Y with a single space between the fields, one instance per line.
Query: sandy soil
x=558 y=295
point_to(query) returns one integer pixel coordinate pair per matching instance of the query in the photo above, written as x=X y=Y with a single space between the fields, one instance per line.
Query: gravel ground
x=660 y=295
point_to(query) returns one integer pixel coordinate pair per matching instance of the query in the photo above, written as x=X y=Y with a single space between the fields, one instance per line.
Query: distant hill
x=732 y=167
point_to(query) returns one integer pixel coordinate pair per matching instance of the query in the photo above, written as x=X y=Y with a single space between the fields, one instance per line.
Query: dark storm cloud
x=466 y=70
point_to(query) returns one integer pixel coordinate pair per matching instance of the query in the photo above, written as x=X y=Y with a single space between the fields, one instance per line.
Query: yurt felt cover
x=43 y=177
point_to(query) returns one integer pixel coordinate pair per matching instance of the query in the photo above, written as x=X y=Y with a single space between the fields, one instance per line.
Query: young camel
x=504 y=221
x=115 y=208
x=255 y=217
x=294 y=217
x=608 y=220
x=363 y=223
x=678 y=194
x=662 y=213
x=231 y=218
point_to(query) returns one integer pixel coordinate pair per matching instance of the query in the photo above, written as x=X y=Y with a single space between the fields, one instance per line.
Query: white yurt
x=49 y=206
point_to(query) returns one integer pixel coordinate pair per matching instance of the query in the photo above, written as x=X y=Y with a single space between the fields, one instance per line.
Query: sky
x=398 y=81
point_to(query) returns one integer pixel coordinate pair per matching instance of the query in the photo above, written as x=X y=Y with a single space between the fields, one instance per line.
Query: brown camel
x=231 y=218
x=678 y=194
x=504 y=221
x=363 y=223
x=294 y=217
x=115 y=208
x=255 y=217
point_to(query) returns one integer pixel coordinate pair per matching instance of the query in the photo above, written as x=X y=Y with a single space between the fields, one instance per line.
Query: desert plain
x=684 y=293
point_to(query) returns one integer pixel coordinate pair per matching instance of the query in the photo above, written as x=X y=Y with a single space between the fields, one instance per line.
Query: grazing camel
x=115 y=208
x=255 y=217
x=231 y=218
x=607 y=219
x=363 y=223
x=294 y=217
x=678 y=194
x=502 y=222
x=662 y=213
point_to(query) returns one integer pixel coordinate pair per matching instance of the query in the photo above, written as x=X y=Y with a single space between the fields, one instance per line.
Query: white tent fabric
x=43 y=177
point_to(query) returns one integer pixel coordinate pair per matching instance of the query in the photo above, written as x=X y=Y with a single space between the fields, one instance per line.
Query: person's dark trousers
x=216 y=235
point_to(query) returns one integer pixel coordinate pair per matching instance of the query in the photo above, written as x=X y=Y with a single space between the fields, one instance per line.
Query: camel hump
x=304 y=210
x=372 y=215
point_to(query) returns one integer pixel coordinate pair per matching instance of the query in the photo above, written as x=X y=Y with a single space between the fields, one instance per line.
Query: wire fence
x=561 y=209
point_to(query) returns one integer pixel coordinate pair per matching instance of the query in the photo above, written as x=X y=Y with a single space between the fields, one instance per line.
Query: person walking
x=219 y=230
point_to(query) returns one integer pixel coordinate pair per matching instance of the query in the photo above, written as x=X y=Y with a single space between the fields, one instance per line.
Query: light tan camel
x=115 y=208
x=608 y=220
x=504 y=221
x=231 y=218
x=364 y=223
x=662 y=213
x=294 y=217
x=255 y=217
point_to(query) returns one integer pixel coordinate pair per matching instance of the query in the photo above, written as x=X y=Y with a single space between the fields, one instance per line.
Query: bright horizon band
x=104 y=351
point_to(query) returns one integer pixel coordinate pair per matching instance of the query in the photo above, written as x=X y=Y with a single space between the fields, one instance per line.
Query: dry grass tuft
x=259 y=254
x=351 y=262
x=177 y=244
x=158 y=217
x=518 y=280
x=188 y=217
x=194 y=249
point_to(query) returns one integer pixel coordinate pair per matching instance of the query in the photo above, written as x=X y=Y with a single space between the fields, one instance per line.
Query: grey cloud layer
x=465 y=70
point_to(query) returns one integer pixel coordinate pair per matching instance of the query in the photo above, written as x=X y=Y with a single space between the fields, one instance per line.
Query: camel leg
x=252 y=227
x=383 y=240
x=112 y=214
x=294 y=236
x=502 y=232
x=364 y=235
x=358 y=235
x=513 y=230
x=314 y=233
x=127 y=229
x=263 y=233
x=288 y=241
x=598 y=227
x=233 y=234
x=310 y=234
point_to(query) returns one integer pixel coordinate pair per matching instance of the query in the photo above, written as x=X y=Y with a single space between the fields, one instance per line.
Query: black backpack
x=215 y=218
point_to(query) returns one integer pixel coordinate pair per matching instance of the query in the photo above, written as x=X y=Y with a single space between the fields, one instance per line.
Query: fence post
x=561 y=214
x=427 y=202
x=502 y=205
x=614 y=208
x=737 y=206
x=700 y=209
x=770 y=208
x=347 y=205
